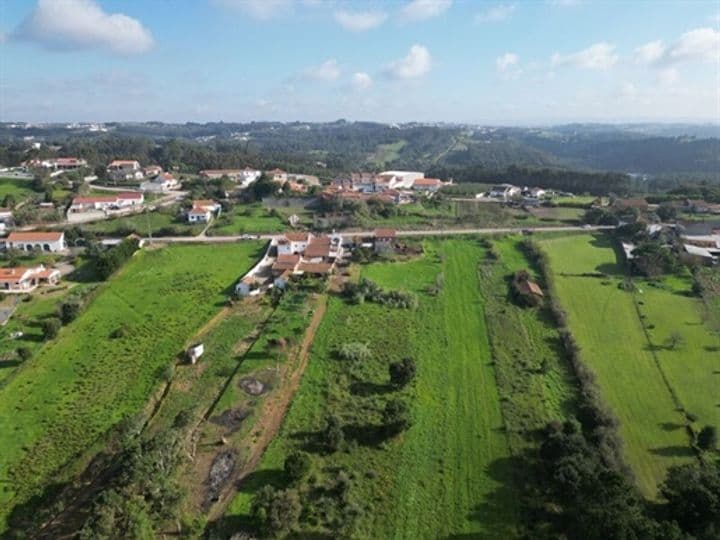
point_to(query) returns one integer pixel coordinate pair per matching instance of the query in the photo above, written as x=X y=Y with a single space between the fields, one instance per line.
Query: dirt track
x=273 y=410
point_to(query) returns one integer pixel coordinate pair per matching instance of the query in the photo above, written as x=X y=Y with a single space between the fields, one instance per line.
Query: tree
x=69 y=311
x=675 y=340
x=24 y=353
x=402 y=373
x=396 y=417
x=297 y=465
x=692 y=492
x=277 y=511
x=50 y=328
x=707 y=438
x=333 y=435
x=9 y=201
x=667 y=212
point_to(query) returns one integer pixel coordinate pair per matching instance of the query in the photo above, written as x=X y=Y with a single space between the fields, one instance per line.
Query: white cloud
x=698 y=44
x=259 y=9
x=507 y=65
x=668 y=76
x=361 y=80
x=416 y=64
x=701 y=44
x=650 y=52
x=600 y=56
x=83 y=24
x=327 y=71
x=497 y=13
x=359 y=21
x=419 y=10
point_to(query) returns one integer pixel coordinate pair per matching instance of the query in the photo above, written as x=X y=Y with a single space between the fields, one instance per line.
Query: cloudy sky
x=509 y=62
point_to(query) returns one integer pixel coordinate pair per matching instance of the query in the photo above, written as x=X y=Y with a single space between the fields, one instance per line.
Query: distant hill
x=650 y=149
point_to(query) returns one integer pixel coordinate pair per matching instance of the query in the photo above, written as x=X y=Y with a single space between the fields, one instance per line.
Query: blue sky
x=511 y=62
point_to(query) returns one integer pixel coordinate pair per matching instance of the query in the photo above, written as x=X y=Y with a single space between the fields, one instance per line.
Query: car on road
x=249 y=237
x=587 y=226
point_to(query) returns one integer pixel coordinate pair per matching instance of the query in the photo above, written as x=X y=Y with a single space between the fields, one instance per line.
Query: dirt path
x=273 y=411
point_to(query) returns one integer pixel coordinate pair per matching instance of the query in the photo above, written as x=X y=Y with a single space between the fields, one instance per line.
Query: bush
x=707 y=438
x=24 y=353
x=370 y=291
x=69 y=311
x=403 y=372
x=355 y=352
x=333 y=435
x=396 y=417
x=50 y=328
x=297 y=465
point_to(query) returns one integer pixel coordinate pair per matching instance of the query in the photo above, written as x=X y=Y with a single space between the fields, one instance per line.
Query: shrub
x=24 y=353
x=297 y=465
x=707 y=438
x=69 y=311
x=396 y=417
x=50 y=328
x=355 y=352
x=333 y=435
x=370 y=291
x=401 y=373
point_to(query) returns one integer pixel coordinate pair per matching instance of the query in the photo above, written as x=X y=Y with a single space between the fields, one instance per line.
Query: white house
x=293 y=242
x=427 y=184
x=504 y=191
x=68 y=163
x=396 y=179
x=535 y=193
x=41 y=241
x=161 y=183
x=152 y=171
x=202 y=211
x=22 y=279
x=105 y=203
x=246 y=286
x=124 y=169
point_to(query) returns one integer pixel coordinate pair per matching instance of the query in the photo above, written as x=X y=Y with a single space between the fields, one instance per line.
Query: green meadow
x=103 y=367
x=650 y=385
x=450 y=472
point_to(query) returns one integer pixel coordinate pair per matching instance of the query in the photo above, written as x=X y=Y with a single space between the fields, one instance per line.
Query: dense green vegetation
x=61 y=403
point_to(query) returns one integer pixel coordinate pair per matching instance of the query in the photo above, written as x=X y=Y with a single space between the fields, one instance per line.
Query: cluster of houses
x=56 y=164
x=155 y=179
x=397 y=187
x=297 y=183
x=295 y=254
x=509 y=193
x=702 y=240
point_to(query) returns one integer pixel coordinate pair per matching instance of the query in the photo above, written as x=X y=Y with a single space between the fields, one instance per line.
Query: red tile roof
x=385 y=233
x=427 y=182
x=12 y=274
x=315 y=268
x=34 y=236
x=297 y=236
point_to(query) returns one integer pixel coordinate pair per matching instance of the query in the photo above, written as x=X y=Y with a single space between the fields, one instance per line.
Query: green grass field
x=63 y=401
x=450 y=473
x=386 y=153
x=247 y=219
x=20 y=189
x=165 y=222
x=610 y=332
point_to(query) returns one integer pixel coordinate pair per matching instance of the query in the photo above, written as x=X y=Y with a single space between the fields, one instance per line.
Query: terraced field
x=60 y=405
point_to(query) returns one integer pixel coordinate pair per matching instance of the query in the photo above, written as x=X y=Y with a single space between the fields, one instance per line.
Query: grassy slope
x=607 y=328
x=15 y=187
x=448 y=473
x=80 y=384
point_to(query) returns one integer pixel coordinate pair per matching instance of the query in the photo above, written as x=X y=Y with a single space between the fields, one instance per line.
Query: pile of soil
x=220 y=471
x=252 y=386
x=231 y=419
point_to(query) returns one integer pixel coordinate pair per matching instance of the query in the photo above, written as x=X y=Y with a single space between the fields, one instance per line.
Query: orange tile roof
x=427 y=182
x=385 y=233
x=315 y=268
x=34 y=236
x=297 y=236
x=12 y=274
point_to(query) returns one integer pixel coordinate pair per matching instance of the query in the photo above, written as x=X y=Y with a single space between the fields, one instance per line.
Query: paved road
x=420 y=232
